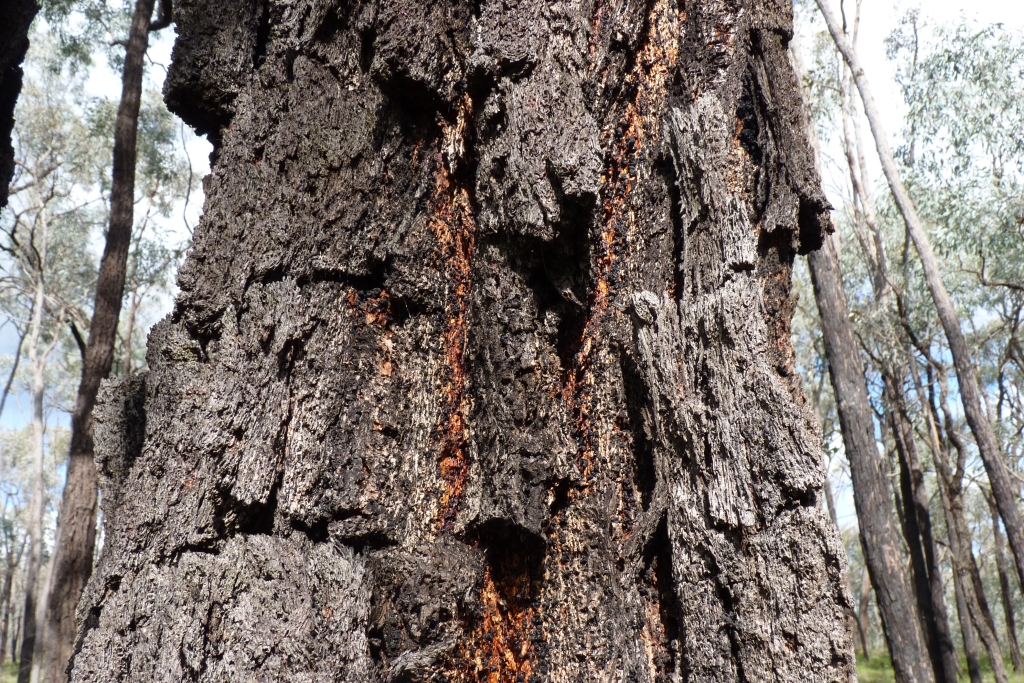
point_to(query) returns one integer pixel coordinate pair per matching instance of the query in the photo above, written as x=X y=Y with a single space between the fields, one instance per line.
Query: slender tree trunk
x=963 y=615
x=962 y=557
x=73 y=558
x=15 y=633
x=894 y=592
x=920 y=540
x=37 y=363
x=959 y=544
x=1005 y=590
x=863 y=607
x=5 y=606
x=1003 y=489
x=984 y=612
x=15 y=19
x=879 y=540
x=481 y=366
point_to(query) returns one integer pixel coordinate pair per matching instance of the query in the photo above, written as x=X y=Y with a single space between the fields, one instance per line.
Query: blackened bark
x=15 y=19
x=894 y=591
x=481 y=367
x=76 y=527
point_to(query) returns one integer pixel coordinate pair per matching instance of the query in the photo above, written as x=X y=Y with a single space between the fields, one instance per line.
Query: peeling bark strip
x=454 y=227
x=480 y=367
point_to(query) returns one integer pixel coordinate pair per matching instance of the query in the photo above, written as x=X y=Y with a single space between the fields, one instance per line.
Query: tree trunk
x=931 y=594
x=879 y=541
x=966 y=630
x=36 y=506
x=5 y=606
x=1003 y=489
x=1005 y=591
x=15 y=19
x=73 y=558
x=481 y=366
x=871 y=494
x=962 y=556
x=863 y=605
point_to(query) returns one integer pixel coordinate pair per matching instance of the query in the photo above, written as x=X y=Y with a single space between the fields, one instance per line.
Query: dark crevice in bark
x=665 y=166
x=316 y=530
x=262 y=34
x=658 y=564
x=367 y=49
x=505 y=634
x=259 y=518
x=560 y=500
x=645 y=475
x=748 y=125
x=812 y=225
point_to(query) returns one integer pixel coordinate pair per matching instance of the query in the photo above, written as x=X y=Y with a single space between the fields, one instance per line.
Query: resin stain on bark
x=502 y=638
x=487 y=476
x=454 y=226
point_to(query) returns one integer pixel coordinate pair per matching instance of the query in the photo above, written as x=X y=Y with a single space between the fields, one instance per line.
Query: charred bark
x=481 y=366
x=15 y=19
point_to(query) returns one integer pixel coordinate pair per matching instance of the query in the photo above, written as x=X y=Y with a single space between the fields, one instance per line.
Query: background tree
x=63 y=139
x=904 y=351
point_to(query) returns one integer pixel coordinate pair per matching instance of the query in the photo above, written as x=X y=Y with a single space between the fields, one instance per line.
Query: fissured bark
x=481 y=367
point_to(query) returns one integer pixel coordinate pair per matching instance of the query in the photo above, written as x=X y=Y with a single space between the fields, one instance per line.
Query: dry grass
x=879 y=670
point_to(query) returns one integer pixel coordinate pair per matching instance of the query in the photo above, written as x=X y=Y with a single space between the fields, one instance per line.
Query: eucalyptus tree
x=77 y=524
x=1003 y=489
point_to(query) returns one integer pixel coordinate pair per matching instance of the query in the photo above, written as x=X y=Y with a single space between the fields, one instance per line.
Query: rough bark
x=871 y=493
x=481 y=366
x=1004 y=490
x=76 y=527
x=15 y=19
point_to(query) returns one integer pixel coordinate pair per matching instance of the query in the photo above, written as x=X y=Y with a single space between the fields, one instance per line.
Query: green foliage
x=85 y=27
